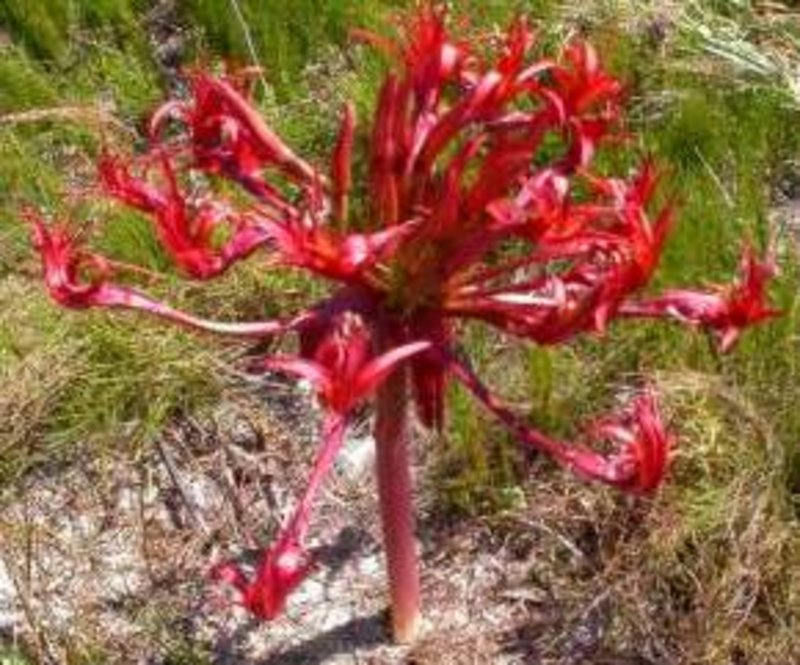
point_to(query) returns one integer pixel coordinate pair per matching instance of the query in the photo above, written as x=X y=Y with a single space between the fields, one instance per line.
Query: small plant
x=481 y=203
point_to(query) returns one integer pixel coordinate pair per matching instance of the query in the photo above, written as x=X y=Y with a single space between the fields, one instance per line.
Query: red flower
x=187 y=229
x=74 y=279
x=78 y=280
x=285 y=564
x=304 y=243
x=639 y=464
x=343 y=369
x=228 y=135
x=582 y=84
x=725 y=312
x=468 y=215
x=344 y=372
x=281 y=570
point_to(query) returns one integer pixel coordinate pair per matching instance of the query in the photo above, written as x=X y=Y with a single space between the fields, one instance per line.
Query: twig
x=45 y=651
x=248 y=39
x=96 y=115
x=174 y=474
x=715 y=178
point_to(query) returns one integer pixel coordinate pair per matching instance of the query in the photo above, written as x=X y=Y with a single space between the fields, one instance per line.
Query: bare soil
x=111 y=556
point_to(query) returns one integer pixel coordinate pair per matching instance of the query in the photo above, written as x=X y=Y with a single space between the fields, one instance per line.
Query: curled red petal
x=340 y=349
x=228 y=131
x=638 y=464
x=376 y=371
x=726 y=311
x=73 y=278
x=582 y=82
x=79 y=279
x=284 y=565
x=346 y=257
x=343 y=368
x=643 y=447
x=117 y=181
x=185 y=228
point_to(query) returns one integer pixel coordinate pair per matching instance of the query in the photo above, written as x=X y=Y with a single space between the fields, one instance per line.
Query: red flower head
x=187 y=229
x=281 y=570
x=643 y=443
x=746 y=300
x=342 y=367
x=726 y=311
x=481 y=203
x=73 y=278
x=79 y=279
x=228 y=137
x=640 y=463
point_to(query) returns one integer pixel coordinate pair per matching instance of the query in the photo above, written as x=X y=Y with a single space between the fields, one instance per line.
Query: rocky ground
x=111 y=557
x=102 y=551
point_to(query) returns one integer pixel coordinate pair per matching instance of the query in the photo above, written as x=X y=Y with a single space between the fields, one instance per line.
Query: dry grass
x=704 y=573
x=96 y=382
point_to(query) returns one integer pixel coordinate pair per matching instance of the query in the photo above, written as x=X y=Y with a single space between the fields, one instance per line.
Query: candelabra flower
x=483 y=204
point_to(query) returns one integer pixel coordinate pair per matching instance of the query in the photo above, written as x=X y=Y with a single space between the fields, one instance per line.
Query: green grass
x=12 y=657
x=98 y=382
x=284 y=36
x=55 y=32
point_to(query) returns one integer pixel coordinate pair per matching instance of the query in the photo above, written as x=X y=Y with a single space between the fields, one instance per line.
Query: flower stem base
x=396 y=507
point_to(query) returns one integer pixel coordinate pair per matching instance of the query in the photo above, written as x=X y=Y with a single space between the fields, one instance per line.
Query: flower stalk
x=395 y=497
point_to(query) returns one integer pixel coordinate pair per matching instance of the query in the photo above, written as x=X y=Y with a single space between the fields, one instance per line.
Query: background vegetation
x=713 y=96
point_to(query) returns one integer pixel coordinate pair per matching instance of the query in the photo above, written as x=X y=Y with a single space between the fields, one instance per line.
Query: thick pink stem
x=397 y=510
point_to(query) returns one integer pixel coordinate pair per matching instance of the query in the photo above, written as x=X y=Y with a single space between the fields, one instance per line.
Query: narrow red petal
x=341 y=164
x=285 y=564
x=638 y=466
x=725 y=312
x=378 y=369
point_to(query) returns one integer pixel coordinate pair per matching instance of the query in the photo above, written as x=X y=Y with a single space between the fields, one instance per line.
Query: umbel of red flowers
x=481 y=204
